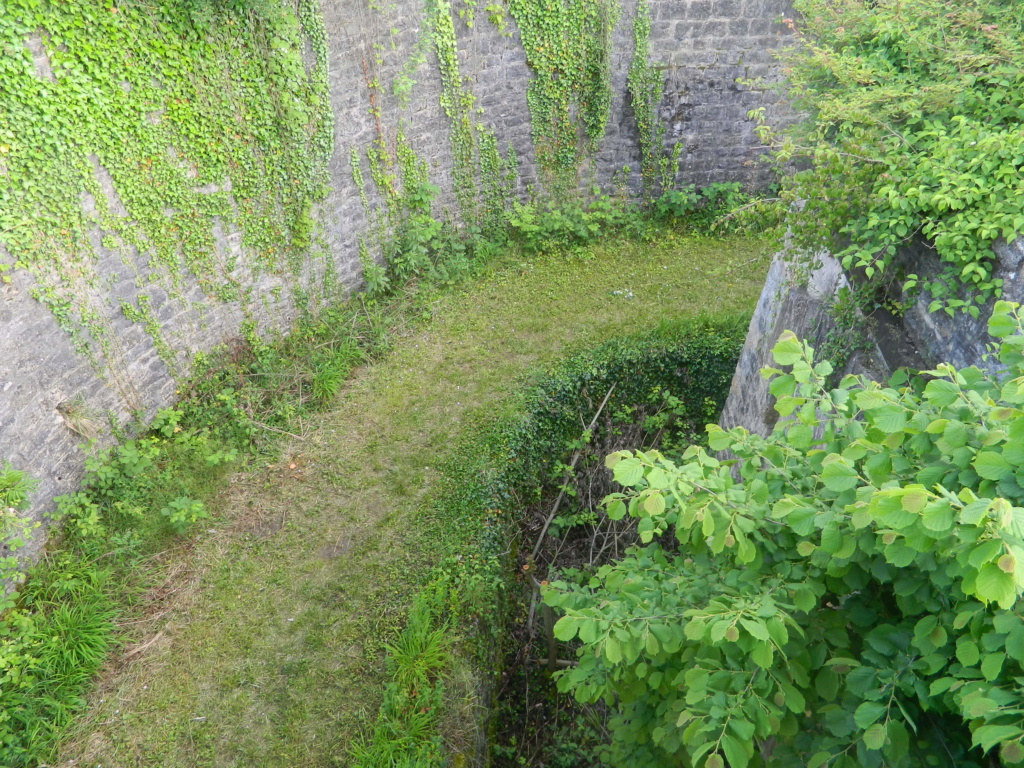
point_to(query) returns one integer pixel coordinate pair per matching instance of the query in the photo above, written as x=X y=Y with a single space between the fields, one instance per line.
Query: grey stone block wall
x=919 y=339
x=703 y=45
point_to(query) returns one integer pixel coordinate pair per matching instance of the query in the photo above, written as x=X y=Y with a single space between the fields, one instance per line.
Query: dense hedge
x=457 y=619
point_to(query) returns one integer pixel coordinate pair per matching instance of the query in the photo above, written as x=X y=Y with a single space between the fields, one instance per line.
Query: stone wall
x=704 y=46
x=918 y=339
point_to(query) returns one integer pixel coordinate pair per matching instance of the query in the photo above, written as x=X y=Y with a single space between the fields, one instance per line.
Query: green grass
x=263 y=643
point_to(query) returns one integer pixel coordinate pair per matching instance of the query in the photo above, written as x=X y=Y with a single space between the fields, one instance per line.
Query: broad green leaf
x=1001 y=324
x=973 y=513
x=992 y=665
x=794 y=699
x=941 y=393
x=744 y=729
x=940 y=686
x=980 y=707
x=800 y=435
x=782 y=386
x=967 y=652
x=874 y=736
x=805 y=600
x=992 y=466
x=756 y=629
x=612 y=650
x=788 y=349
x=615 y=509
x=737 y=752
x=654 y=504
x=994 y=585
x=566 y=628
x=938 y=516
x=868 y=713
x=762 y=654
x=628 y=472
x=838 y=476
x=914 y=500
x=831 y=538
x=987 y=736
x=889 y=419
x=1015 y=644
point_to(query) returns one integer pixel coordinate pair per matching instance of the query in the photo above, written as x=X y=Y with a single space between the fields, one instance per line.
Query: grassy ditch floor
x=263 y=644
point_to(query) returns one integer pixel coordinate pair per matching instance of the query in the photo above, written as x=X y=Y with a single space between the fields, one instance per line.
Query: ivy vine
x=646 y=87
x=139 y=127
x=568 y=47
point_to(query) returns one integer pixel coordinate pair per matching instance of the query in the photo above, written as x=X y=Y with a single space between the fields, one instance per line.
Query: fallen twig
x=572 y=466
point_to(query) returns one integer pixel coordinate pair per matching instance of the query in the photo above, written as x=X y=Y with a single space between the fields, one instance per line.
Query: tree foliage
x=913 y=129
x=842 y=593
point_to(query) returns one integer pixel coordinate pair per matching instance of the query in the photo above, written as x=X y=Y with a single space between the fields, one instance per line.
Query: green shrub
x=913 y=129
x=845 y=597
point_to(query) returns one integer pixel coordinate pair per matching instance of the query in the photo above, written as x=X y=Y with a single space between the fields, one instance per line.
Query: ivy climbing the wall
x=146 y=128
x=568 y=47
x=407 y=233
x=484 y=186
x=646 y=87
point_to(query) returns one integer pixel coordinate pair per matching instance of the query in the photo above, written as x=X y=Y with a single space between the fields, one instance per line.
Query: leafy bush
x=541 y=227
x=913 y=129
x=843 y=593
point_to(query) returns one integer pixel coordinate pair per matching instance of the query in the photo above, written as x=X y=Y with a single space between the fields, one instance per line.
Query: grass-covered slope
x=263 y=645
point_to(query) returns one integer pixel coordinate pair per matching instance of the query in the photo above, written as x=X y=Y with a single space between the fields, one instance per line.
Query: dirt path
x=266 y=649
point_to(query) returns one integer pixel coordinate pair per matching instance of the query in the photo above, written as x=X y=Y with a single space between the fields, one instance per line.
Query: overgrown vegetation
x=15 y=530
x=141 y=126
x=568 y=47
x=467 y=598
x=848 y=599
x=913 y=131
x=137 y=498
x=645 y=83
x=272 y=629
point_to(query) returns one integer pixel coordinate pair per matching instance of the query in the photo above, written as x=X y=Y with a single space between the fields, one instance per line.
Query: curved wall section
x=384 y=87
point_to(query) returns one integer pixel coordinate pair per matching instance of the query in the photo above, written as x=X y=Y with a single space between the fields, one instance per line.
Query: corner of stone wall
x=918 y=339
